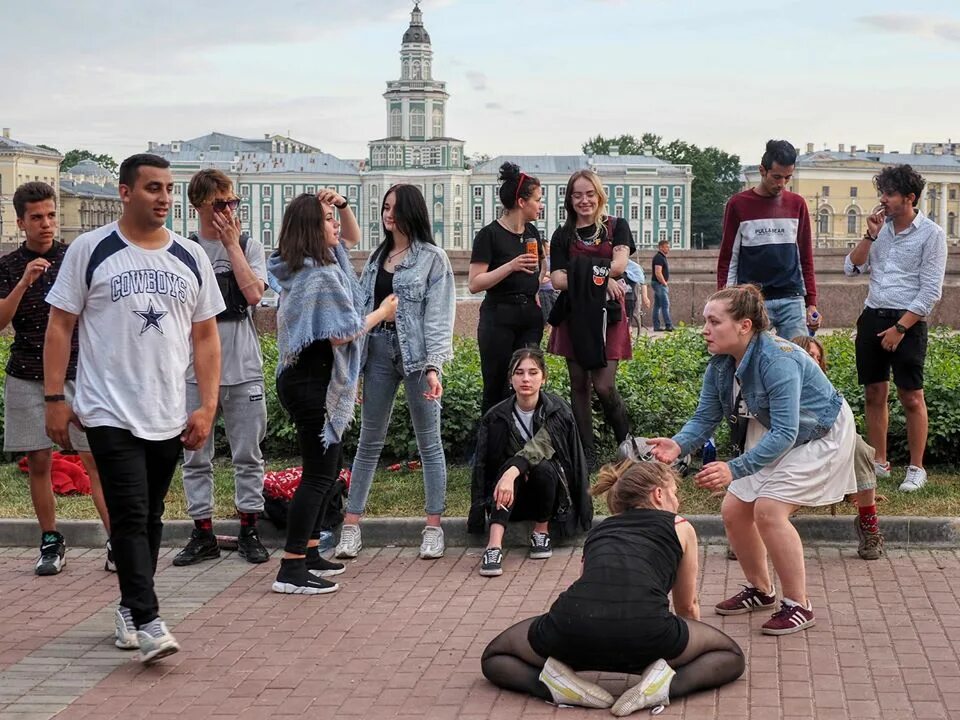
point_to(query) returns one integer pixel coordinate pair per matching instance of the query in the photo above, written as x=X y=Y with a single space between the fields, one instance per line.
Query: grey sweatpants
x=244 y=411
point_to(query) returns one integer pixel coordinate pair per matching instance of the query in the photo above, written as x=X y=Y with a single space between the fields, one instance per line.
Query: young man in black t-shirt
x=26 y=275
x=661 y=292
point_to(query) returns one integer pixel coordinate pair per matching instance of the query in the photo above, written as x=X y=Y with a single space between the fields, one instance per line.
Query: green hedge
x=660 y=387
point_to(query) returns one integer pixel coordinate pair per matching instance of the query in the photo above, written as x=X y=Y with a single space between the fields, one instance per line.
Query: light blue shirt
x=906 y=268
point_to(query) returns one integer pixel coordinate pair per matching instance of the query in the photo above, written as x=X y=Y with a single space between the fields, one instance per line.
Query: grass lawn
x=401 y=494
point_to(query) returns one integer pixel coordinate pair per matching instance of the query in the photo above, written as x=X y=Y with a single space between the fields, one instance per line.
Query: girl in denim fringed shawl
x=320 y=316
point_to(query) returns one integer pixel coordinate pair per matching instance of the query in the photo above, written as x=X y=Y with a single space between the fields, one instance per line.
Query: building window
x=853 y=191
x=647 y=238
x=633 y=234
x=677 y=191
x=311 y=190
x=823 y=222
x=478 y=192
x=177 y=211
x=244 y=213
x=267 y=191
x=374 y=191
x=456 y=213
x=244 y=191
x=952 y=224
x=676 y=212
x=663 y=212
x=952 y=193
x=375 y=234
x=438 y=212
x=634 y=192
x=396 y=119
x=437 y=130
x=438 y=190
x=562 y=214
x=618 y=211
x=676 y=237
x=267 y=212
x=618 y=193
x=455 y=157
x=663 y=192
x=634 y=212
x=662 y=236
x=192 y=213
x=456 y=190
x=648 y=192
x=267 y=237
x=647 y=212
x=287 y=192
x=853 y=221
x=562 y=192
x=416 y=123
x=352 y=192
x=542 y=214
x=825 y=191
x=478 y=213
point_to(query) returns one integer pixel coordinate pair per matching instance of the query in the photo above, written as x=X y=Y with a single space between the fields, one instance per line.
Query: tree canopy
x=716 y=176
x=75 y=156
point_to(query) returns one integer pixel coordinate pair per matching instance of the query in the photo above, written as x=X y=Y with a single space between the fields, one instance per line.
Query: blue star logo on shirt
x=151 y=318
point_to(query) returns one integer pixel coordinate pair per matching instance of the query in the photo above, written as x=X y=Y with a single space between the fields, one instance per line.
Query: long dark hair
x=301 y=234
x=409 y=215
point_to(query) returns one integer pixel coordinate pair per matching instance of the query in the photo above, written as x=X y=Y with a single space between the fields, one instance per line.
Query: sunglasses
x=222 y=205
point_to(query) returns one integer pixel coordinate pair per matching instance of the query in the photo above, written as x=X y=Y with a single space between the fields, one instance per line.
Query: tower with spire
x=416 y=111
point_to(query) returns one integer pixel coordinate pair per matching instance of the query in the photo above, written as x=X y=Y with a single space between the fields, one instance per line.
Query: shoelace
x=431 y=538
x=491 y=556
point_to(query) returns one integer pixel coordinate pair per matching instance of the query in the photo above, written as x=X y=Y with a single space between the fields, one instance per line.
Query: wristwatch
x=900 y=328
x=868 y=236
x=54 y=398
x=340 y=206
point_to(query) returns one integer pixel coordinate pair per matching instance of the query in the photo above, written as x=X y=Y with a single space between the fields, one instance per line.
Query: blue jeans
x=788 y=317
x=382 y=375
x=661 y=307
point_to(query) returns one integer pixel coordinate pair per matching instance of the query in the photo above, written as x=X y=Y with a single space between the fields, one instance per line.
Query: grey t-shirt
x=240 y=358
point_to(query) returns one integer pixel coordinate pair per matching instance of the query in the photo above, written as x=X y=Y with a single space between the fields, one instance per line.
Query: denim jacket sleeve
x=708 y=415
x=781 y=380
x=439 y=313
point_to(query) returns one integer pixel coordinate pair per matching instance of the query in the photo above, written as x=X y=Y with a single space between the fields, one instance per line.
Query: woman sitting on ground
x=529 y=465
x=616 y=617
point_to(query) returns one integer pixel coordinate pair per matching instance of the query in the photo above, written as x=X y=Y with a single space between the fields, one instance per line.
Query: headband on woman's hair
x=516 y=197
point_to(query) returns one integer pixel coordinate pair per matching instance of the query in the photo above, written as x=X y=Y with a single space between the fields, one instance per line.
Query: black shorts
x=874 y=363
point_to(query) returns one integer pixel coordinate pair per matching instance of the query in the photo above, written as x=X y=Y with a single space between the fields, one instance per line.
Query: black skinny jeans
x=135 y=475
x=504 y=327
x=302 y=390
x=535 y=498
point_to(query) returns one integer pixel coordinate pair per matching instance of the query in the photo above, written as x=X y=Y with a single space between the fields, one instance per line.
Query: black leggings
x=711 y=659
x=604 y=382
x=504 y=328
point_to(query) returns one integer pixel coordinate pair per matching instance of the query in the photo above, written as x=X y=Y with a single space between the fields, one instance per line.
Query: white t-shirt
x=526 y=418
x=137 y=308
x=240 y=358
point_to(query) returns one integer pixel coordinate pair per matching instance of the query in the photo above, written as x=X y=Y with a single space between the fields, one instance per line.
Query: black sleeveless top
x=616 y=616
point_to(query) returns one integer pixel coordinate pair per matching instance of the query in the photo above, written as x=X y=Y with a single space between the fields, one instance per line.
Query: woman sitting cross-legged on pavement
x=411 y=351
x=318 y=321
x=616 y=617
x=799 y=445
x=529 y=465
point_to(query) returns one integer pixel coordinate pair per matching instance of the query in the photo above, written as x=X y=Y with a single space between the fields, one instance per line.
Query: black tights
x=604 y=382
x=711 y=659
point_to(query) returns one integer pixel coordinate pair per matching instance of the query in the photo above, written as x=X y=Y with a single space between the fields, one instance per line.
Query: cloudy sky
x=524 y=77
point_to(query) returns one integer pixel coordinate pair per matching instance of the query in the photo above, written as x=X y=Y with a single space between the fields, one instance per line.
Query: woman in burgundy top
x=589 y=233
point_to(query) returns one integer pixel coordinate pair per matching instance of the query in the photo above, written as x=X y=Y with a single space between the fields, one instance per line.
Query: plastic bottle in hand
x=709 y=452
x=815 y=319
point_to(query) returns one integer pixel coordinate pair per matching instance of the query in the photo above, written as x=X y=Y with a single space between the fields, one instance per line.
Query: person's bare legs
x=41 y=490
x=496 y=535
x=746 y=542
x=915 y=410
x=783 y=543
x=877 y=417
x=96 y=490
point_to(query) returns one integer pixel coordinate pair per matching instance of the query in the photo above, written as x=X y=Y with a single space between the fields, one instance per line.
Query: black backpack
x=237 y=306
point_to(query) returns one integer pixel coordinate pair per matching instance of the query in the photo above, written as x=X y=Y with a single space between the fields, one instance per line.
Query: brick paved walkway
x=403 y=638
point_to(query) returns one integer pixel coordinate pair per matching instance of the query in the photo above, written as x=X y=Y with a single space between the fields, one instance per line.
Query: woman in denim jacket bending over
x=799 y=445
x=411 y=350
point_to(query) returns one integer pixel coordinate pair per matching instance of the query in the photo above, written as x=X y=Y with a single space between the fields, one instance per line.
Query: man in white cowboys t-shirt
x=145 y=298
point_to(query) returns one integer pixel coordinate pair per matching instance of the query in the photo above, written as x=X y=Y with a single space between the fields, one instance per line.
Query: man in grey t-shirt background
x=240 y=266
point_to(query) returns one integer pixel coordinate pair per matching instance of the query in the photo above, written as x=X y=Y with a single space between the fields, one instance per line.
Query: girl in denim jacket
x=410 y=350
x=798 y=450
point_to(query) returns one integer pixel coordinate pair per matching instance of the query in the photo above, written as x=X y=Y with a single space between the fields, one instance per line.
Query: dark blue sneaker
x=52 y=554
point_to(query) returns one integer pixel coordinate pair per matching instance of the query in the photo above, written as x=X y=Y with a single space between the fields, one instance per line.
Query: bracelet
x=340 y=206
x=54 y=398
x=868 y=236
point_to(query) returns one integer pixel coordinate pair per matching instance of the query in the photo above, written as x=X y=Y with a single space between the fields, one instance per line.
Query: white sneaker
x=568 y=688
x=432 y=546
x=652 y=690
x=125 y=632
x=882 y=470
x=156 y=641
x=350 y=543
x=916 y=478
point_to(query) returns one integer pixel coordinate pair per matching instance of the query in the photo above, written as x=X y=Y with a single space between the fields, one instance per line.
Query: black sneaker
x=52 y=552
x=492 y=564
x=540 y=547
x=249 y=546
x=320 y=566
x=202 y=546
x=295 y=579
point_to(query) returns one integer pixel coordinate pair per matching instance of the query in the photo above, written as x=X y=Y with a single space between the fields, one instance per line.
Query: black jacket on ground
x=499 y=441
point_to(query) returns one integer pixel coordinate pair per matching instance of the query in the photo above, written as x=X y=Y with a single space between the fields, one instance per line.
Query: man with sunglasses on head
x=26 y=276
x=241 y=271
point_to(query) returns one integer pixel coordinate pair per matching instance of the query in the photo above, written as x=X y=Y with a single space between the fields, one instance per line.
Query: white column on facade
x=923 y=202
x=942 y=194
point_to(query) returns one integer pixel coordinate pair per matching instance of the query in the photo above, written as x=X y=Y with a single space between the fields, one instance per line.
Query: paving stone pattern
x=403 y=638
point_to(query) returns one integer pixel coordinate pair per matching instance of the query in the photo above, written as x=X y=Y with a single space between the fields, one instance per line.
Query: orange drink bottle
x=533 y=247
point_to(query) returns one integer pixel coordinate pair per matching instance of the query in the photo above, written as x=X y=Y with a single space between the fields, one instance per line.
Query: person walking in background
x=529 y=466
x=145 y=299
x=318 y=371
x=661 y=290
x=867 y=524
x=591 y=330
x=506 y=262
x=767 y=242
x=798 y=450
x=241 y=273
x=411 y=349
x=26 y=276
x=905 y=253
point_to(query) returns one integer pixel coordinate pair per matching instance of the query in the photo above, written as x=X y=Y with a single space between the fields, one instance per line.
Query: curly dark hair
x=901 y=179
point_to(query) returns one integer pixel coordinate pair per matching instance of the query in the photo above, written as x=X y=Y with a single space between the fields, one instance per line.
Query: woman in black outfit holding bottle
x=506 y=263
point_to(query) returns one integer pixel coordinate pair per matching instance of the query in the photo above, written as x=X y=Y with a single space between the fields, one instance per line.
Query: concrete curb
x=378 y=532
